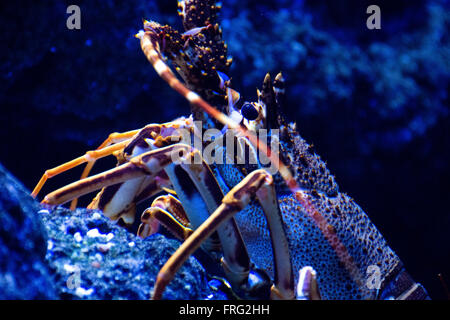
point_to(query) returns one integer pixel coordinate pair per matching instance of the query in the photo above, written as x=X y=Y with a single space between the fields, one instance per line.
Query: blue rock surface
x=94 y=259
x=63 y=254
x=24 y=272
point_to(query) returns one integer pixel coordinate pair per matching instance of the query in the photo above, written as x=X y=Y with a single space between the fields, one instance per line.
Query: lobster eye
x=249 y=111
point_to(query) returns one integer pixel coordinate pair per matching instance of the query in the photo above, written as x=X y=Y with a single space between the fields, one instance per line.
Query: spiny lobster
x=234 y=209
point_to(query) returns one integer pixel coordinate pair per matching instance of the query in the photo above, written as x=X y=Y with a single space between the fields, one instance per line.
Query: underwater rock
x=63 y=254
x=95 y=259
x=24 y=273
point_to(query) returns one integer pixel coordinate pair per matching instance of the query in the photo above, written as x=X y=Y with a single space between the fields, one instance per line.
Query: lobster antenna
x=149 y=47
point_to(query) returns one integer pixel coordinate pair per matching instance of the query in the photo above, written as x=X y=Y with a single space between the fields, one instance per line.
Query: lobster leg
x=89 y=156
x=113 y=138
x=203 y=198
x=117 y=137
x=260 y=184
x=307 y=288
x=120 y=200
x=168 y=211
x=147 y=164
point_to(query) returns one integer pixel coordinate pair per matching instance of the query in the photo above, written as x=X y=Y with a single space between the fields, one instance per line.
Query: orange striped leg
x=258 y=183
x=147 y=164
x=113 y=138
x=168 y=211
x=89 y=156
x=161 y=133
x=120 y=200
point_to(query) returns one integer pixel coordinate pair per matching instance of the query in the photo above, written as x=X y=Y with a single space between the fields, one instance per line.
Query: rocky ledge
x=63 y=254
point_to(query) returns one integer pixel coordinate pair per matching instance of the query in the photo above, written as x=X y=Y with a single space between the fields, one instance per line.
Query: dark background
x=373 y=102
